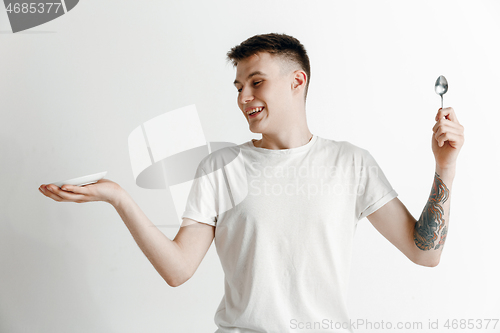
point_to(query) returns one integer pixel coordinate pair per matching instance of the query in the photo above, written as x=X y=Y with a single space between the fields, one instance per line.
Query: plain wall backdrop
x=73 y=89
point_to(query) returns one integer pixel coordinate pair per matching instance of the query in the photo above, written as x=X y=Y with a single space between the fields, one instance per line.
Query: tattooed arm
x=429 y=232
x=422 y=241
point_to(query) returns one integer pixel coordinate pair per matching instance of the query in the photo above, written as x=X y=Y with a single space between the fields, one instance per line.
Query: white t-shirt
x=285 y=222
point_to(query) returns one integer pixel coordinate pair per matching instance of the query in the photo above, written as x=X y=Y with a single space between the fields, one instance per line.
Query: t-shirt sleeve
x=201 y=202
x=374 y=190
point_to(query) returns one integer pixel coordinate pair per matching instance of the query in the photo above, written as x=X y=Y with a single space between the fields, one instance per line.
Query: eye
x=255 y=84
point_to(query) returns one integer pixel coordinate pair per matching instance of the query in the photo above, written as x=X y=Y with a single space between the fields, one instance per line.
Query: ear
x=299 y=80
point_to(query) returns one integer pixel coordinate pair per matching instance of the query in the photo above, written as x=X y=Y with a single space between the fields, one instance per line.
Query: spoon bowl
x=441 y=87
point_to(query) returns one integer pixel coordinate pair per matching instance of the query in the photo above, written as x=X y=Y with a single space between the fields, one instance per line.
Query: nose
x=245 y=96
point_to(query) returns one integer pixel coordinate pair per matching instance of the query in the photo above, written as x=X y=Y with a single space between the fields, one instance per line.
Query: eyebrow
x=249 y=76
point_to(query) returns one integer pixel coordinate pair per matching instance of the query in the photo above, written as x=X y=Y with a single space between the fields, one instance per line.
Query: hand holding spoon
x=441 y=87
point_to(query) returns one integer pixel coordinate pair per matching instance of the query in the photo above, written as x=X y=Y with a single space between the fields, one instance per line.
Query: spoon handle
x=441 y=101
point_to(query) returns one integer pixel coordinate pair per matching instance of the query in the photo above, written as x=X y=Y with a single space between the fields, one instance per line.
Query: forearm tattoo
x=431 y=223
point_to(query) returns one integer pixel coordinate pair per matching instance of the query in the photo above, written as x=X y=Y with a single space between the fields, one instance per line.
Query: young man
x=285 y=244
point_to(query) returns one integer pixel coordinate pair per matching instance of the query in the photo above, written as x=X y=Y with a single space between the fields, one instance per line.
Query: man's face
x=262 y=85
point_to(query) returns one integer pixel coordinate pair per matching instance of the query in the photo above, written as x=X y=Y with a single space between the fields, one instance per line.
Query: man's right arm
x=175 y=260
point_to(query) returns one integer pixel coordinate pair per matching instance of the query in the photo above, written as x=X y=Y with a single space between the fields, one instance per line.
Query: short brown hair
x=287 y=47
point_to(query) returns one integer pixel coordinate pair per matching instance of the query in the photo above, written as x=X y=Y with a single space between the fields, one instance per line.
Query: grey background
x=72 y=90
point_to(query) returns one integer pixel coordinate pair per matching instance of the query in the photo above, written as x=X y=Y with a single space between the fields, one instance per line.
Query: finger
x=40 y=189
x=447 y=123
x=438 y=129
x=447 y=113
x=67 y=196
x=74 y=189
x=443 y=112
x=442 y=131
x=454 y=140
x=54 y=192
x=47 y=191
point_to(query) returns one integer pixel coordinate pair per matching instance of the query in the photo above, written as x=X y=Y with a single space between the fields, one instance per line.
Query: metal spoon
x=441 y=87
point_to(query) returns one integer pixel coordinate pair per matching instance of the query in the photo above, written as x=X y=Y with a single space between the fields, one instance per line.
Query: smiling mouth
x=255 y=112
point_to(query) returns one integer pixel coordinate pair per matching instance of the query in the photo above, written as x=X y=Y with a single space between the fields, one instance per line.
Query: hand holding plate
x=103 y=190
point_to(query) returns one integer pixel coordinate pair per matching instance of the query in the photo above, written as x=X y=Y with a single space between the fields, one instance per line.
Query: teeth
x=255 y=110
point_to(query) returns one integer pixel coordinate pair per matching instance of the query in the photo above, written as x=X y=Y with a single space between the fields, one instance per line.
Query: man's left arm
x=422 y=241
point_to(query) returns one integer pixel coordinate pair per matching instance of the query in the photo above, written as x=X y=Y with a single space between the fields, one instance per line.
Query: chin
x=255 y=131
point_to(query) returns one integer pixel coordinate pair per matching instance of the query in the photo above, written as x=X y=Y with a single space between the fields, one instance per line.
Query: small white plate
x=85 y=180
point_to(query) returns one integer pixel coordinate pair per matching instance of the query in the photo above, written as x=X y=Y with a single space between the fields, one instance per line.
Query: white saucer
x=85 y=180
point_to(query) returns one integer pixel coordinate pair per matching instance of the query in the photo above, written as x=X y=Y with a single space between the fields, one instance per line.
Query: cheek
x=277 y=98
x=281 y=91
